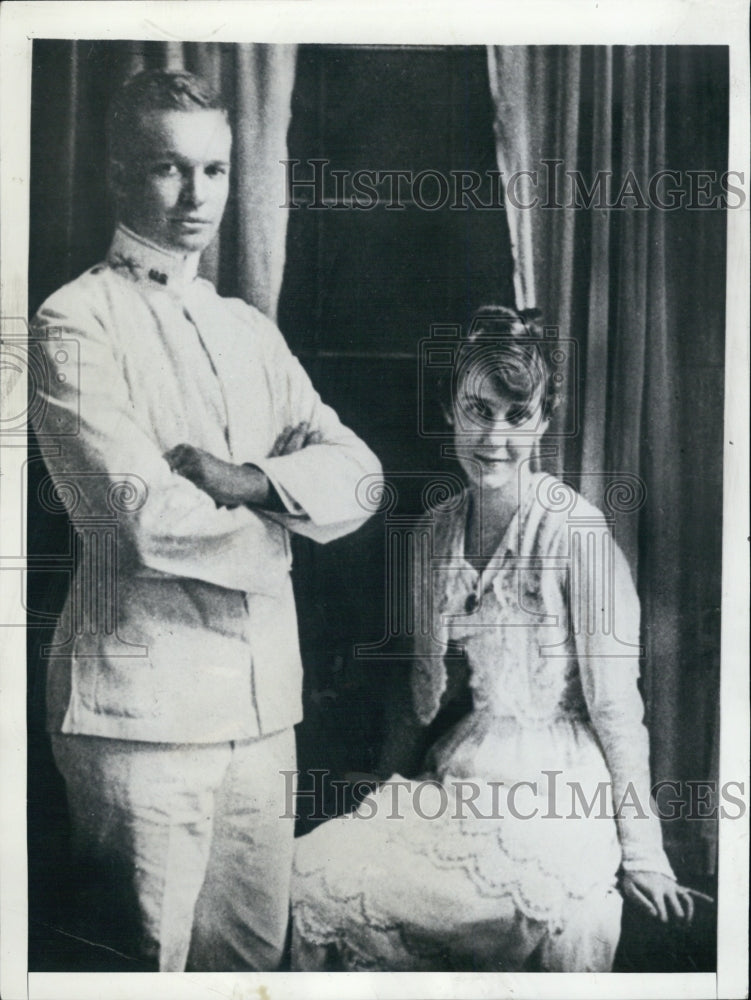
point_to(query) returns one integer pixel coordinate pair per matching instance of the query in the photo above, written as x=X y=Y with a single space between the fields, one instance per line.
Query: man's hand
x=294 y=439
x=228 y=485
x=661 y=896
x=231 y=485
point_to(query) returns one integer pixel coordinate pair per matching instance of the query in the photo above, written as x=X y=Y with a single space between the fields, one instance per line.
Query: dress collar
x=141 y=260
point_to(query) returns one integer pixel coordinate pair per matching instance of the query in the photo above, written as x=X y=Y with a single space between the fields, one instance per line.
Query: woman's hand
x=228 y=485
x=661 y=896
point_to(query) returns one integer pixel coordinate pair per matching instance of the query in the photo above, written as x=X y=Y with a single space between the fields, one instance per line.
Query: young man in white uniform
x=175 y=679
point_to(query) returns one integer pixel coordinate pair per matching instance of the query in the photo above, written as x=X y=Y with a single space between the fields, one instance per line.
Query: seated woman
x=500 y=848
x=503 y=853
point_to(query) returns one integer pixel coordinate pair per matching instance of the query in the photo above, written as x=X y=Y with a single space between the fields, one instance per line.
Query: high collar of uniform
x=141 y=260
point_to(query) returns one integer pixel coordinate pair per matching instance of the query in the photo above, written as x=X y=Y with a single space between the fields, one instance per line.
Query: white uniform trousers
x=183 y=852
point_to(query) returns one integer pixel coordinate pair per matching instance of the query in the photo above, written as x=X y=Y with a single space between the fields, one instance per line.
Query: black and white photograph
x=374 y=500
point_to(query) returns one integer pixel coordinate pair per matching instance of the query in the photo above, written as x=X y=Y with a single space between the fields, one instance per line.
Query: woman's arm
x=604 y=617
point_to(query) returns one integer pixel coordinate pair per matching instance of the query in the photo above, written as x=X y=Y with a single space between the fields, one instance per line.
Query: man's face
x=174 y=187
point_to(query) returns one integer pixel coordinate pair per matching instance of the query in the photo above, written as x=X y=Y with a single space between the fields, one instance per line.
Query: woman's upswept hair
x=155 y=90
x=508 y=347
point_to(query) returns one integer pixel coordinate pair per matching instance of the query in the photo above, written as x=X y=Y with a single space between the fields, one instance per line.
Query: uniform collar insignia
x=141 y=260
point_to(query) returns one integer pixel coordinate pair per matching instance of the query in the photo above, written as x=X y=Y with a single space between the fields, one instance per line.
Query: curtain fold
x=640 y=289
x=71 y=215
x=264 y=107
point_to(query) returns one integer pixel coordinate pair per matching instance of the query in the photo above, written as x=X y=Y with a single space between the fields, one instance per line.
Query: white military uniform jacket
x=180 y=625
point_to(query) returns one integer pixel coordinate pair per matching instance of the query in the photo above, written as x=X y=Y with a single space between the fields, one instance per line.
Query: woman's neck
x=489 y=515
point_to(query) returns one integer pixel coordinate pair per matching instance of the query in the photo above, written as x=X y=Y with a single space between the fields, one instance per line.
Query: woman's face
x=494 y=433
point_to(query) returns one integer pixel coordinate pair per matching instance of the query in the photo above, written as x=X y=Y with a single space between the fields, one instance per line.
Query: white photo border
x=724 y=22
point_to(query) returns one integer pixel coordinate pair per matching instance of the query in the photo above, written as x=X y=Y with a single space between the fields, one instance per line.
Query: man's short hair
x=155 y=90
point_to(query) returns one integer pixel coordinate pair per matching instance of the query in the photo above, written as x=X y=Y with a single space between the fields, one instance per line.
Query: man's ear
x=117 y=178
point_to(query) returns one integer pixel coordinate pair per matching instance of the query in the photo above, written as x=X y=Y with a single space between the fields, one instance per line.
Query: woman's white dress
x=506 y=855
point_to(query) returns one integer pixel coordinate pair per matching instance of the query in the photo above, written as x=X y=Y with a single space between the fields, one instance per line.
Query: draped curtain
x=640 y=289
x=71 y=220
